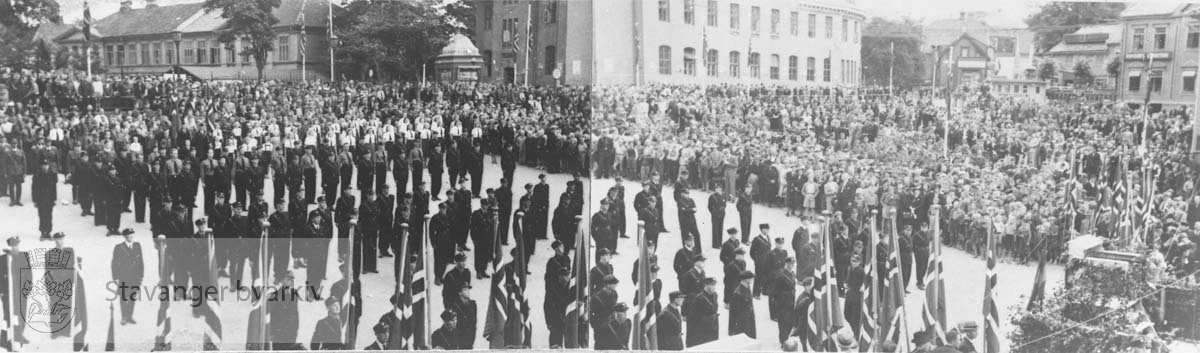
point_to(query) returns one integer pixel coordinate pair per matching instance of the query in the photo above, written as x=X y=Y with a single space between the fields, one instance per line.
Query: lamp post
x=333 y=40
x=178 y=37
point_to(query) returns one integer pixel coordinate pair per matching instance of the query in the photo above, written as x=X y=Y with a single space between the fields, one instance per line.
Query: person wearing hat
x=113 y=188
x=503 y=205
x=922 y=342
x=444 y=337
x=14 y=172
x=701 y=310
x=466 y=310
x=807 y=253
x=344 y=211
x=456 y=278
x=128 y=268
x=601 y=303
x=684 y=256
x=760 y=250
x=45 y=195
x=12 y=261
x=843 y=340
x=60 y=265
x=559 y=293
x=775 y=261
x=716 y=211
x=692 y=281
x=970 y=330
x=483 y=236
x=284 y=312
x=951 y=344
x=539 y=211
x=560 y=260
x=436 y=165
x=442 y=240
x=741 y=307
x=745 y=210
x=614 y=333
x=686 y=212
x=602 y=226
x=280 y=233
x=649 y=218
x=799 y=314
x=368 y=238
x=670 y=323
x=387 y=207
x=327 y=336
x=728 y=247
x=781 y=293
x=602 y=269
x=382 y=334
x=733 y=273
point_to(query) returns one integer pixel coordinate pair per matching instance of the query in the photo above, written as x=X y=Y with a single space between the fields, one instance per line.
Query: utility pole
x=1195 y=151
x=332 y=42
x=528 y=39
x=891 y=67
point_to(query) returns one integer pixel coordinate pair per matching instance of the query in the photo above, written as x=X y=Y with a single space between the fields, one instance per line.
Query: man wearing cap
x=241 y=235
x=504 y=209
x=11 y=263
x=441 y=241
x=692 y=281
x=701 y=312
x=684 y=256
x=382 y=334
x=670 y=324
x=686 y=209
x=436 y=166
x=327 y=336
x=387 y=207
x=45 y=194
x=344 y=211
x=368 y=239
x=114 y=189
x=602 y=303
x=731 y=244
x=539 y=208
x=745 y=212
x=279 y=231
x=444 y=337
x=483 y=234
x=799 y=314
x=970 y=331
x=716 y=209
x=741 y=307
x=651 y=260
x=603 y=268
x=128 y=268
x=456 y=278
x=284 y=311
x=922 y=342
x=558 y=295
x=466 y=310
x=807 y=254
x=733 y=273
x=461 y=214
x=614 y=333
x=760 y=250
x=15 y=174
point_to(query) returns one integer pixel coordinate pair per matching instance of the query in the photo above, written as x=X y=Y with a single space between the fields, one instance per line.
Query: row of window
x=712 y=60
x=1158 y=38
x=197 y=52
x=849 y=27
x=549 y=12
x=1155 y=82
x=549 y=60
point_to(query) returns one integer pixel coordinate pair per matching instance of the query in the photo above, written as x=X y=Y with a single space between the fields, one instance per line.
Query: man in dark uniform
x=670 y=323
x=906 y=253
x=920 y=249
x=140 y=184
x=733 y=273
x=741 y=307
x=781 y=291
x=327 y=336
x=602 y=227
x=483 y=236
x=45 y=195
x=84 y=179
x=308 y=166
x=603 y=268
x=686 y=208
x=799 y=314
x=560 y=260
x=442 y=242
x=456 y=278
x=368 y=238
x=284 y=313
x=400 y=171
x=366 y=172
x=692 y=282
x=807 y=253
x=613 y=334
x=436 y=166
x=461 y=215
x=280 y=233
x=701 y=313
x=11 y=264
x=467 y=311
x=540 y=207
x=387 y=207
x=113 y=205
x=454 y=161
x=732 y=243
x=745 y=211
x=444 y=337
x=759 y=251
x=128 y=268
x=684 y=257
x=504 y=205
x=329 y=179
x=343 y=213
x=473 y=163
x=602 y=303
x=558 y=296
x=382 y=335
x=420 y=208
x=716 y=208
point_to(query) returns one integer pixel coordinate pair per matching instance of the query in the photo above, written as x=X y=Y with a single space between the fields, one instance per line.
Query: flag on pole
x=645 y=318
x=1039 y=281
x=162 y=338
x=575 y=335
x=894 y=312
x=402 y=308
x=80 y=323
x=818 y=312
x=836 y=317
x=991 y=317
x=870 y=298
x=212 y=316
x=934 y=312
x=110 y=343
x=87 y=22
x=417 y=290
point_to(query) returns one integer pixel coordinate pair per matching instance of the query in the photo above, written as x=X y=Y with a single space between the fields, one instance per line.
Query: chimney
x=126 y=5
x=150 y=4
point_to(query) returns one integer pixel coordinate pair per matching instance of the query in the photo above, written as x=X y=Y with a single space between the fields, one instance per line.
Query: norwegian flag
x=645 y=319
x=163 y=336
x=870 y=298
x=212 y=316
x=991 y=316
x=934 y=313
x=576 y=324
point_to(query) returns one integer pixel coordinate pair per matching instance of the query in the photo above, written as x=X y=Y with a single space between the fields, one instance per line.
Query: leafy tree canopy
x=394 y=38
x=1057 y=18
x=906 y=63
x=252 y=20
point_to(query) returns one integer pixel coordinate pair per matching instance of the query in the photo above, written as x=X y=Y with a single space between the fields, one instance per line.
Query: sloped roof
x=1112 y=30
x=1152 y=8
x=316 y=12
x=160 y=19
x=49 y=31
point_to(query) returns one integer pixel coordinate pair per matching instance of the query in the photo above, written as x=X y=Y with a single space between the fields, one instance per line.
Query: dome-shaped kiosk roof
x=459 y=45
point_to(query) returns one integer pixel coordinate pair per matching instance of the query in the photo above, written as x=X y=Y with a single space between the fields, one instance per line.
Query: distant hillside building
x=155 y=39
x=1097 y=45
x=1005 y=52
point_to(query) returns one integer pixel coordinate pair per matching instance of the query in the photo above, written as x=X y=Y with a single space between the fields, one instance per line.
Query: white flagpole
x=528 y=39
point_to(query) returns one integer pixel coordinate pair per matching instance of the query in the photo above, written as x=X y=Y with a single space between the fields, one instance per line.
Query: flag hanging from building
x=991 y=317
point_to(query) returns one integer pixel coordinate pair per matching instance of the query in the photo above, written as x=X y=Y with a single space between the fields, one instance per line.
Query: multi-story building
x=1096 y=45
x=1008 y=51
x=785 y=42
x=1160 y=46
x=156 y=39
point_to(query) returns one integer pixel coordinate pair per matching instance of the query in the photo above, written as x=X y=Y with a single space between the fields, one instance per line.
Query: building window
x=689 y=61
x=121 y=55
x=793 y=68
x=200 y=52
x=689 y=12
x=189 y=55
x=856 y=36
x=214 y=52
x=774 y=22
x=1156 y=81
x=131 y=51
x=145 y=53
x=774 y=66
x=488 y=13
x=755 y=18
x=812 y=25
x=712 y=13
x=1193 y=36
x=283 y=51
x=487 y=62
x=1160 y=37
x=755 y=65
x=246 y=56
x=845 y=30
x=157 y=53
x=710 y=62
x=810 y=71
x=828 y=27
x=735 y=64
x=170 y=53
x=550 y=14
x=1189 y=81
x=1135 y=83
x=664 y=60
x=551 y=59
x=108 y=55
x=735 y=17
x=231 y=55
x=828 y=69
x=795 y=23
x=1139 y=41
x=664 y=10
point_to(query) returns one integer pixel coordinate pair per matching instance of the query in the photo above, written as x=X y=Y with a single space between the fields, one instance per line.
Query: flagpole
x=891 y=67
x=528 y=39
x=263 y=272
x=401 y=273
x=641 y=289
x=877 y=335
x=8 y=302
x=332 y=42
x=428 y=274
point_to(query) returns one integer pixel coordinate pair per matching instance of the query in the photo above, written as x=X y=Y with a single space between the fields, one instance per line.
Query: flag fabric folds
x=934 y=313
x=212 y=316
x=870 y=300
x=991 y=317
x=575 y=335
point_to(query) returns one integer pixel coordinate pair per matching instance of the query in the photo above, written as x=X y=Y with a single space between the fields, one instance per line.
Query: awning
x=1133 y=73
x=1189 y=73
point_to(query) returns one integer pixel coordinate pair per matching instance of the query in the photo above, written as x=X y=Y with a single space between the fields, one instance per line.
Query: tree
x=18 y=23
x=1055 y=19
x=1047 y=71
x=1083 y=73
x=907 y=64
x=251 y=20
x=393 y=38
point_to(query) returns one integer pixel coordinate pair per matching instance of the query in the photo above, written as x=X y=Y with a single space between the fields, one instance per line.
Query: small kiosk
x=459 y=61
